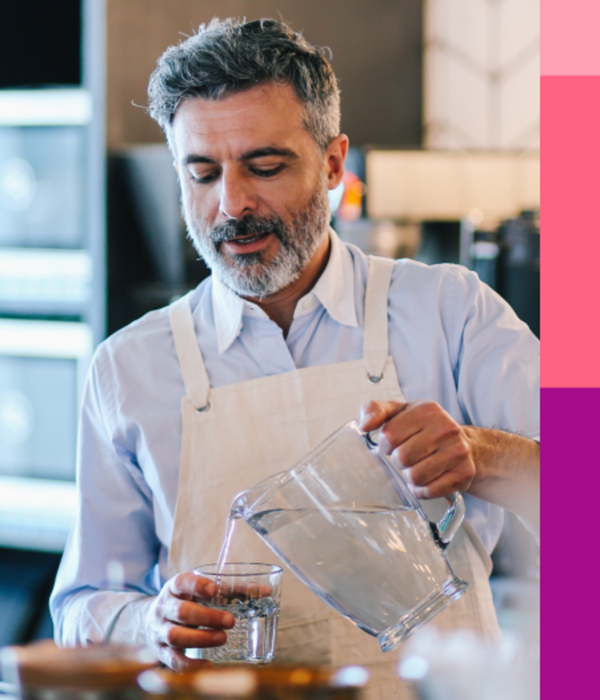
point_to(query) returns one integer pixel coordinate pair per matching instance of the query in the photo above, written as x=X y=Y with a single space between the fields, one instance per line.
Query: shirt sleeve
x=112 y=551
x=495 y=357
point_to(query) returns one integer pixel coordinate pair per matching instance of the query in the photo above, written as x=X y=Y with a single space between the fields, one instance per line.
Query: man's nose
x=236 y=198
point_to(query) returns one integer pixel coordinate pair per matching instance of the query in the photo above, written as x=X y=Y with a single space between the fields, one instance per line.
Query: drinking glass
x=251 y=592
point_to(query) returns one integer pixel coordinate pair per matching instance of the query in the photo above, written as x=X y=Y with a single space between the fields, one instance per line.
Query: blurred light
x=153 y=683
x=31 y=274
x=335 y=197
x=55 y=107
x=18 y=184
x=230 y=683
x=413 y=668
x=351 y=676
x=485 y=250
x=350 y=206
x=36 y=513
x=497 y=183
x=25 y=338
x=476 y=217
x=17 y=417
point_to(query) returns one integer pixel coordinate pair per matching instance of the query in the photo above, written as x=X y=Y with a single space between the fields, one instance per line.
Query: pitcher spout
x=247 y=503
x=241 y=508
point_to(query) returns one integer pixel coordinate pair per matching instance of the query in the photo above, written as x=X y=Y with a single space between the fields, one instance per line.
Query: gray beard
x=249 y=274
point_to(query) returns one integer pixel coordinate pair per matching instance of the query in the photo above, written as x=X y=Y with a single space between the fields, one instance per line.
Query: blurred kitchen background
x=441 y=103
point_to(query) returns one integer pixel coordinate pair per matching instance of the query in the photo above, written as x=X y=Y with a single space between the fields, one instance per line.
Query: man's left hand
x=434 y=451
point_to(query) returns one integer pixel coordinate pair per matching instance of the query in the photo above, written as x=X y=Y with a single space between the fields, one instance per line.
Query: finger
x=424 y=418
x=194 y=615
x=451 y=456
x=396 y=435
x=188 y=584
x=423 y=473
x=438 y=488
x=412 y=451
x=418 y=446
x=181 y=637
x=435 y=477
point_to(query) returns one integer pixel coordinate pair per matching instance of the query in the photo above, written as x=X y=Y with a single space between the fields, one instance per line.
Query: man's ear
x=334 y=159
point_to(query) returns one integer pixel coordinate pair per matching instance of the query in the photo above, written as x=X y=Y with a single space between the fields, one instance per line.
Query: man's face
x=254 y=186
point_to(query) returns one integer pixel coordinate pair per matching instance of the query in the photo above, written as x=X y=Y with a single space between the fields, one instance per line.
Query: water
x=371 y=563
x=229 y=530
x=252 y=639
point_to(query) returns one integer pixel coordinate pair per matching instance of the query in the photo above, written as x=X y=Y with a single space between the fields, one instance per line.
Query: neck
x=280 y=307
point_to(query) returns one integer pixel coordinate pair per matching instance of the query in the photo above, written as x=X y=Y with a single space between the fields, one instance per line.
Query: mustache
x=250 y=225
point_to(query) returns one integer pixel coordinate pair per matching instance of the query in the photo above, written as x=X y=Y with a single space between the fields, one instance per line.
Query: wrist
x=506 y=472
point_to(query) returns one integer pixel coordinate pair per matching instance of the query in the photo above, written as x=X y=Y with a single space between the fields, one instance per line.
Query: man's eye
x=203 y=178
x=267 y=172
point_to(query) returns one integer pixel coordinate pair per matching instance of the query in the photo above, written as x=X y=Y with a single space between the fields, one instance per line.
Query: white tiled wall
x=481 y=74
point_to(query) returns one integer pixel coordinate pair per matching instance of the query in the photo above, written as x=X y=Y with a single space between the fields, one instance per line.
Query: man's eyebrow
x=269 y=151
x=248 y=155
x=188 y=160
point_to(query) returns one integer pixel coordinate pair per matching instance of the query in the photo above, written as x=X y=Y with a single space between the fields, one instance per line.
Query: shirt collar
x=334 y=290
x=335 y=287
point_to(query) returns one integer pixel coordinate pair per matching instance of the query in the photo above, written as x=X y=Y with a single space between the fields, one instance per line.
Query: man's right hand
x=168 y=623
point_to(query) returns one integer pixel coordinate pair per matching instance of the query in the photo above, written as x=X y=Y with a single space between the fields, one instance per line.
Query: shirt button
x=308 y=304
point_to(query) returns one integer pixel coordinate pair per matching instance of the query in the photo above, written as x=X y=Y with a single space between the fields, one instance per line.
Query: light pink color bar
x=570 y=43
x=570 y=211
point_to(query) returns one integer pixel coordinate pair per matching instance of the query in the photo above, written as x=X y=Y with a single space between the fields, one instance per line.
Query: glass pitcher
x=345 y=522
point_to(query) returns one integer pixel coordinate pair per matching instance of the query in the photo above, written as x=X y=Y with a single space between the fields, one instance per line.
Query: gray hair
x=230 y=56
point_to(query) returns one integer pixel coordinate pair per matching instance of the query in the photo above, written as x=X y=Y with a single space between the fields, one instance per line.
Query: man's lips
x=248 y=243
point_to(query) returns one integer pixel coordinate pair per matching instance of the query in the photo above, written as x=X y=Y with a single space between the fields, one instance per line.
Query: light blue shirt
x=453 y=340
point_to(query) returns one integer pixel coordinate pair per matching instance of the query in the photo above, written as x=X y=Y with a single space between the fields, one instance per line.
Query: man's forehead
x=265 y=116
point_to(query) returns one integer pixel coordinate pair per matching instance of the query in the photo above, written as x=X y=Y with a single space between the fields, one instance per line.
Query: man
x=291 y=335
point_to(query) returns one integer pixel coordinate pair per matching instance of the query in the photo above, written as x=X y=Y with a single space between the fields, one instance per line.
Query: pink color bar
x=570 y=37
x=570 y=211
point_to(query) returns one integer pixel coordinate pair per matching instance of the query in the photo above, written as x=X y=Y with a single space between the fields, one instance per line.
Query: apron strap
x=190 y=359
x=375 y=347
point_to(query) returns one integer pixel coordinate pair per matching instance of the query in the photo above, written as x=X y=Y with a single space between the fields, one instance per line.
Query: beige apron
x=236 y=435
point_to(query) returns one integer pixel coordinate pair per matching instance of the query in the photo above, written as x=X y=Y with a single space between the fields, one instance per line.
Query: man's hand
x=439 y=456
x=435 y=453
x=168 y=622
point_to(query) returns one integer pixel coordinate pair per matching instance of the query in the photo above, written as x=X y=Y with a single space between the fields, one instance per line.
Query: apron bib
x=234 y=436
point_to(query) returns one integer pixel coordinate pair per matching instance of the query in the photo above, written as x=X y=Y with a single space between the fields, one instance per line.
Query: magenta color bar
x=570 y=614
x=569 y=37
x=570 y=330
x=570 y=225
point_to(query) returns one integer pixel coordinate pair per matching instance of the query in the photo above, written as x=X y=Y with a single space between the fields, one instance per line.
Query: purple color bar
x=570 y=559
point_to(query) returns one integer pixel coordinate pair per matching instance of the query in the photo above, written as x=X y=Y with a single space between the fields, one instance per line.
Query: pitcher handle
x=446 y=527
x=444 y=530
